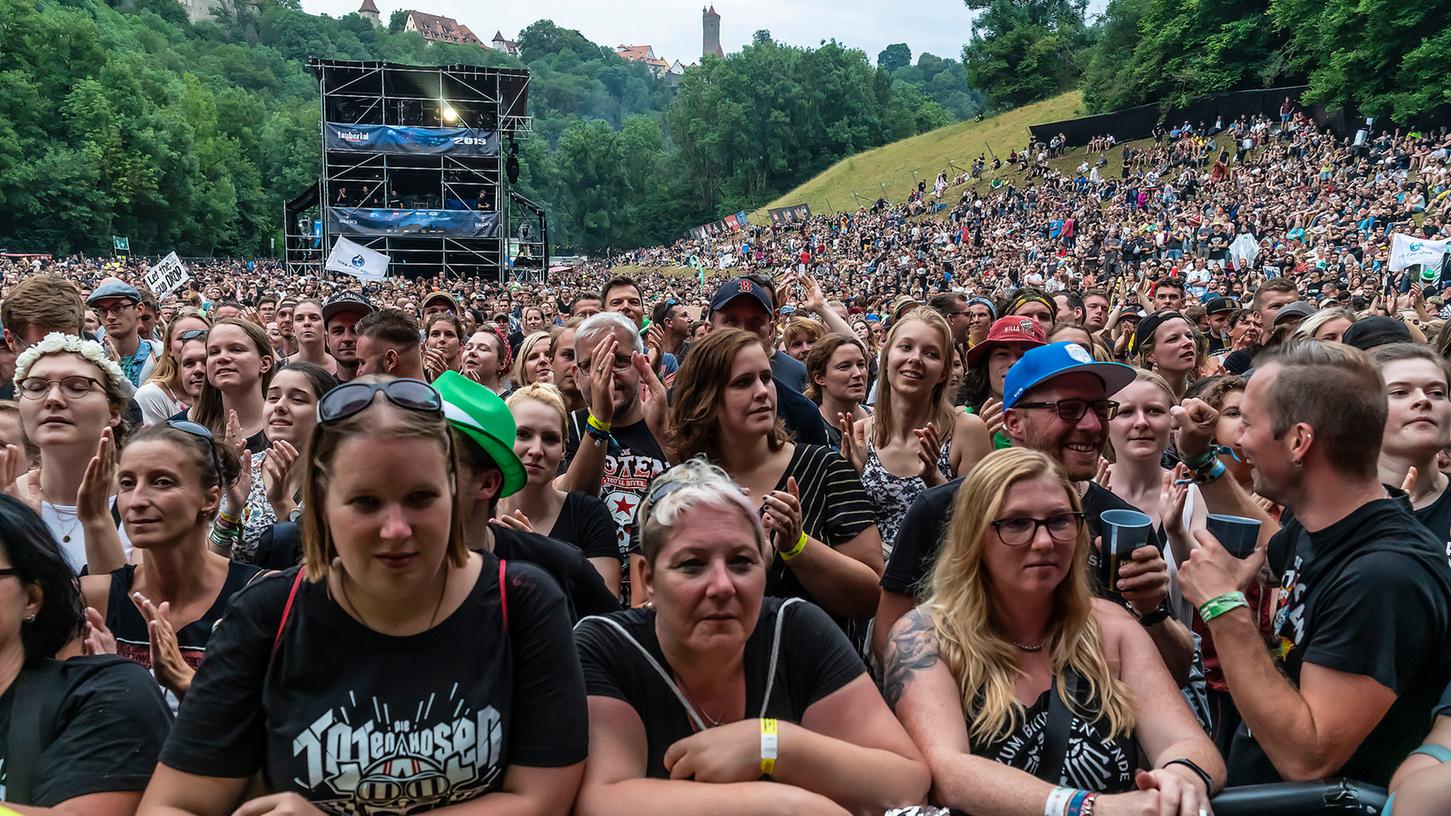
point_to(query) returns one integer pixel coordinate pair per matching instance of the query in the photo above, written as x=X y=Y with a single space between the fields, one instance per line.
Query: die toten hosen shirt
x=1368 y=595
x=360 y=723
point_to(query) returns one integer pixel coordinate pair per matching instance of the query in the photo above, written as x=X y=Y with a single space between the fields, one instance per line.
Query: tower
x=369 y=12
x=710 y=31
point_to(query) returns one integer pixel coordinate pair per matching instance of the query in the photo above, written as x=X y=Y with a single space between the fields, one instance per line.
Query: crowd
x=1094 y=493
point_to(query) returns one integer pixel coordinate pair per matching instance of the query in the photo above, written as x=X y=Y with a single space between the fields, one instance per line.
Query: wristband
x=1088 y=804
x=1437 y=752
x=1198 y=771
x=1203 y=460
x=5 y=811
x=787 y=555
x=1214 y=607
x=1075 y=805
x=594 y=422
x=228 y=518
x=1058 y=799
x=1210 y=473
x=768 y=746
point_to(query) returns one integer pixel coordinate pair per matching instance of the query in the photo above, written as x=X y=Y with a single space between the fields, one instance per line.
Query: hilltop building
x=710 y=33
x=369 y=11
x=436 y=28
x=507 y=46
x=645 y=54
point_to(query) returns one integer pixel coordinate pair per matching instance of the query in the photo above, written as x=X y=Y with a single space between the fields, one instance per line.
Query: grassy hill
x=893 y=170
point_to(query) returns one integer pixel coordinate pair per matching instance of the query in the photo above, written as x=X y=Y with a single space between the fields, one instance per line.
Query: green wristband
x=1214 y=607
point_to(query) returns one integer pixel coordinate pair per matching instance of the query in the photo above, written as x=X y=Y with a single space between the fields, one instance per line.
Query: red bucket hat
x=1013 y=329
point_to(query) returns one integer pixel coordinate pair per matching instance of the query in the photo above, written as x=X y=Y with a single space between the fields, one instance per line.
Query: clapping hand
x=516 y=521
x=853 y=442
x=97 y=639
x=172 y=671
x=929 y=446
x=278 y=468
x=781 y=514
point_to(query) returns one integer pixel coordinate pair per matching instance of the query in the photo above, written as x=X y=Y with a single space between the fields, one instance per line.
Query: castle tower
x=369 y=12
x=710 y=30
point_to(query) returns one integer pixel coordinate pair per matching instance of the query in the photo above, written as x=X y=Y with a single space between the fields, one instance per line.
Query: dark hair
x=37 y=560
x=1171 y=282
x=199 y=450
x=697 y=400
x=585 y=296
x=1238 y=316
x=208 y=409
x=821 y=354
x=318 y=377
x=447 y=317
x=948 y=302
x=662 y=309
x=1213 y=389
x=393 y=326
x=618 y=282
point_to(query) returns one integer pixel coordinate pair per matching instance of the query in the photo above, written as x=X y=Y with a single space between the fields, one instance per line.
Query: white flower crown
x=56 y=342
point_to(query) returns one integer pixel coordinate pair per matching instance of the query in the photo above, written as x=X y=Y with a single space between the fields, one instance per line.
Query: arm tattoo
x=911 y=649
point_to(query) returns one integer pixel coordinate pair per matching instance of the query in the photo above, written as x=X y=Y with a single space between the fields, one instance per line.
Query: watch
x=1157 y=616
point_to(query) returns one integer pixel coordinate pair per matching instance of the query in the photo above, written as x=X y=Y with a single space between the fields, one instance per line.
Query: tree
x=1112 y=56
x=397 y=20
x=1024 y=50
x=761 y=37
x=894 y=56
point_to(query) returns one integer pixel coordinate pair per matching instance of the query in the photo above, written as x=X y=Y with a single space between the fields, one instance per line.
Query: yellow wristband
x=787 y=555
x=768 y=746
x=5 y=811
x=593 y=422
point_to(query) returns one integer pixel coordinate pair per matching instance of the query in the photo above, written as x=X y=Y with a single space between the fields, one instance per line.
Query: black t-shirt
x=256 y=443
x=1368 y=595
x=813 y=661
x=1436 y=516
x=366 y=724
x=109 y=728
x=585 y=522
x=633 y=458
x=584 y=589
x=801 y=416
x=920 y=537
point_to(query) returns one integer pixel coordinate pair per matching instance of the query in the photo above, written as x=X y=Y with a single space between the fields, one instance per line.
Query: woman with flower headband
x=716 y=699
x=343 y=681
x=72 y=397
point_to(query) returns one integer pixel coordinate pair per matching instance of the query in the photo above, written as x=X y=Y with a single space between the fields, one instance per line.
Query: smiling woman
x=240 y=361
x=717 y=699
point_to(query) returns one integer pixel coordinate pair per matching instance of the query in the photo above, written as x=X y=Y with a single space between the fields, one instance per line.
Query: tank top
x=891 y=494
x=1094 y=759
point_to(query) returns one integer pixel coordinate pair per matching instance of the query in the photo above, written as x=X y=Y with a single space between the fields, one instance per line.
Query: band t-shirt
x=366 y=724
x=814 y=660
x=919 y=538
x=109 y=727
x=1368 y=595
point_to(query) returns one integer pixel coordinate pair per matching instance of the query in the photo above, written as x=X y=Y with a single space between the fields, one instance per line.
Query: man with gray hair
x=614 y=447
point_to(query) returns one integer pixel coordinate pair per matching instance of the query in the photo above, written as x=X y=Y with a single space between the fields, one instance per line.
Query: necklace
x=343 y=582
x=1025 y=647
x=713 y=721
x=75 y=518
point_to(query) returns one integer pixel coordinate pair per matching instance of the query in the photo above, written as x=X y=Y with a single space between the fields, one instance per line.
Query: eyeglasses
x=9 y=571
x=74 y=387
x=192 y=334
x=622 y=362
x=117 y=309
x=1072 y=410
x=189 y=427
x=1020 y=530
x=351 y=398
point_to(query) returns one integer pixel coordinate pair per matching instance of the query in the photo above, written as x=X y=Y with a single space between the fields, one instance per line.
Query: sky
x=939 y=27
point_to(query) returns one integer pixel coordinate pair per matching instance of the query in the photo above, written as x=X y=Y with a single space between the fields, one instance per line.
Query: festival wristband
x=1198 y=771
x=768 y=746
x=1210 y=473
x=595 y=423
x=1058 y=799
x=5 y=811
x=1075 y=805
x=1088 y=804
x=1203 y=460
x=1214 y=607
x=787 y=555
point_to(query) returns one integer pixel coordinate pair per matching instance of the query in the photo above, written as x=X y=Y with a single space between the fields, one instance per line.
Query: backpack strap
x=286 y=613
x=38 y=691
x=504 y=595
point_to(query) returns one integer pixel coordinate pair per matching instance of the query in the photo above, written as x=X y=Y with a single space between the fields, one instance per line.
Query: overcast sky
x=673 y=26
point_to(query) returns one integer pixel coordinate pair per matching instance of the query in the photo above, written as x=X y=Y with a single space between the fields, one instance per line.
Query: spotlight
x=449 y=114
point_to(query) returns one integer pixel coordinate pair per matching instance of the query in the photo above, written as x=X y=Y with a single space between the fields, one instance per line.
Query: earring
x=30 y=619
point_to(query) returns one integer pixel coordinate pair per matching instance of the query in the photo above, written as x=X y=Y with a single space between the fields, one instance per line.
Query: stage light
x=449 y=114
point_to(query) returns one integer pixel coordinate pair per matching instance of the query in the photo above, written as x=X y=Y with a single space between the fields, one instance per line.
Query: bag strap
x=690 y=711
x=1055 y=731
x=504 y=595
x=286 y=613
x=32 y=718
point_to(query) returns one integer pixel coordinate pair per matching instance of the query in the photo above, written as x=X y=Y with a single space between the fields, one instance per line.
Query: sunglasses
x=189 y=427
x=351 y=398
x=192 y=334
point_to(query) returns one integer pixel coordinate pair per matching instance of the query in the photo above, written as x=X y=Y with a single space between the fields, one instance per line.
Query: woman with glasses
x=342 y=681
x=106 y=723
x=1026 y=695
x=170 y=388
x=826 y=546
x=486 y=359
x=533 y=363
x=573 y=517
x=162 y=610
x=240 y=362
x=717 y=697
x=836 y=380
x=914 y=439
x=72 y=397
x=442 y=344
x=267 y=491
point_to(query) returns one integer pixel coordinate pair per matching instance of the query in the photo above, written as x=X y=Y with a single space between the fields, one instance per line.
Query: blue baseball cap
x=113 y=288
x=1041 y=364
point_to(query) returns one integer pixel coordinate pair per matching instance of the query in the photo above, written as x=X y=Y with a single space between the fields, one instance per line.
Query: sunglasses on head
x=195 y=429
x=192 y=334
x=351 y=398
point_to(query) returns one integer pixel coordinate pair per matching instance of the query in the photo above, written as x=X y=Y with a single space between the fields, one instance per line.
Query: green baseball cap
x=482 y=416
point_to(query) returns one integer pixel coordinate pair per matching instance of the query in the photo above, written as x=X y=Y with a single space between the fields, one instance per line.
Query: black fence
x=1138 y=123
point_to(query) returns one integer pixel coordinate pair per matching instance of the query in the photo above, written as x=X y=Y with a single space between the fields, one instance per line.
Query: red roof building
x=645 y=54
x=435 y=28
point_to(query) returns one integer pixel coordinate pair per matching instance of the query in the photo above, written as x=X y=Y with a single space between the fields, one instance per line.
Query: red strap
x=286 y=613
x=504 y=595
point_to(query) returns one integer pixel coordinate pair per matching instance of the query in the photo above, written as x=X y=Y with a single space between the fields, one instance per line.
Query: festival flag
x=357 y=260
x=1408 y=250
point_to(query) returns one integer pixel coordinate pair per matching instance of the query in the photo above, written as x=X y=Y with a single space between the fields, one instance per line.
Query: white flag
x=357 y=260
x=1243 y=251
x=167 y=276
x=1409 y=251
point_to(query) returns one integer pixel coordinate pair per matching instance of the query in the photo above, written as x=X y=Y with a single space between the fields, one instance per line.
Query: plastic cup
x=1123 y=532
x=1237 y=534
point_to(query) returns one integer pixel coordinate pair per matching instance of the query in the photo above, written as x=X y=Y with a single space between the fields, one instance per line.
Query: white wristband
x=1058 y=801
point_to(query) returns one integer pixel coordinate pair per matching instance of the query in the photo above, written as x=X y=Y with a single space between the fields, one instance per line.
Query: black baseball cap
x=346 y=302
x=1367 y=333
x=742 y=287
x=1218 y=305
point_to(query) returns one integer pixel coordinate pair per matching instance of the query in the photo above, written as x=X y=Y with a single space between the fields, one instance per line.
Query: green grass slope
x=892 y=171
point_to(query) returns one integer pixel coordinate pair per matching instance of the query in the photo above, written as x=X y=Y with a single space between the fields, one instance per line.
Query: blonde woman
x=980 y=672
x=533 y=363
x=1327 y=325
x=915 y=439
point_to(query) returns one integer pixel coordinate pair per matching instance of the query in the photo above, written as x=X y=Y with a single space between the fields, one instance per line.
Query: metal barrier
x=1301 y=799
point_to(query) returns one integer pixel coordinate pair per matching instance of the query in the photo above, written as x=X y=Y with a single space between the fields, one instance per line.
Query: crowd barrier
x=1139 y=122
x=1301 y=799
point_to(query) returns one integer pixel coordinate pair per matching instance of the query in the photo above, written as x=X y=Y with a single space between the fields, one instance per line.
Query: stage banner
x=414 y=140
x=373 y=223
x=794 y=214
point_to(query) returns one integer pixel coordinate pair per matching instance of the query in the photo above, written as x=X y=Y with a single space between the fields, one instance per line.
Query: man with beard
x=1055 y=400
x=340 y=317
x=1363 y=623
